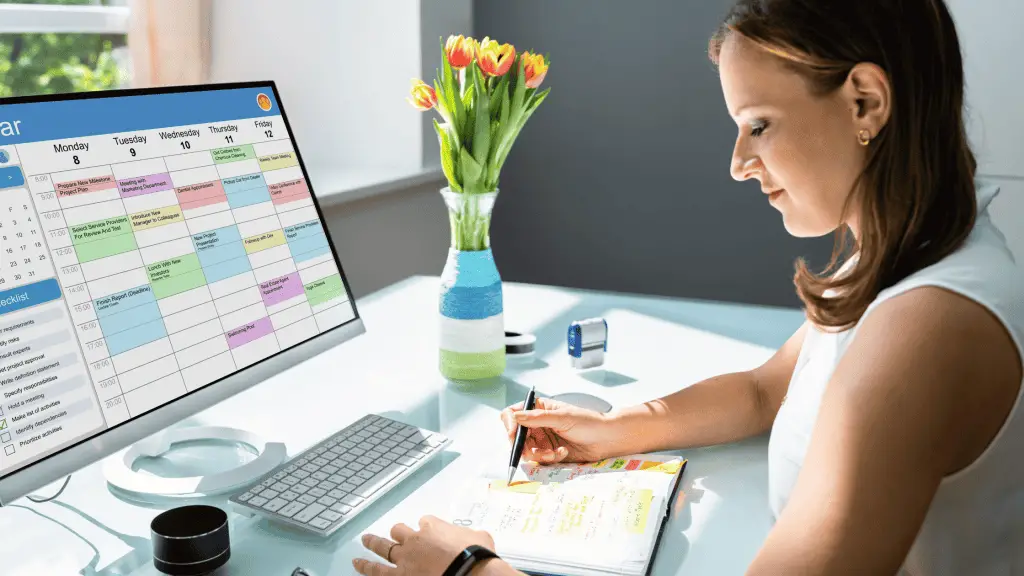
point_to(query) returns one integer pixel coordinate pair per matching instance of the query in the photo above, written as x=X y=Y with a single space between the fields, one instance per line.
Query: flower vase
x=472 y=329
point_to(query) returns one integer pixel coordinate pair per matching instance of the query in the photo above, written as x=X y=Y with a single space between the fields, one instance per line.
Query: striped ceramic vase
x=472 y=331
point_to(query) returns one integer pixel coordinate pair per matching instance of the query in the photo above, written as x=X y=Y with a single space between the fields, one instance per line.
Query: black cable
x=59 y=492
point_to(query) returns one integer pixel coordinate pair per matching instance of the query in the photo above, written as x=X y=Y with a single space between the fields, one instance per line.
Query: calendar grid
x=200 y=193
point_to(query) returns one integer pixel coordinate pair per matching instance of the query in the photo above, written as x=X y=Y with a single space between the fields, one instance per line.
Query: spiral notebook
x=575 y=519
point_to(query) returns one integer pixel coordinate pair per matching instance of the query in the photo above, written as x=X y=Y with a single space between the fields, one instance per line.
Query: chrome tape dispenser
x=588 y=342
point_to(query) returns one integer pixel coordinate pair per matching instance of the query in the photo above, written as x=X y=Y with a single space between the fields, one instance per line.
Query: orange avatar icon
x=264 y=102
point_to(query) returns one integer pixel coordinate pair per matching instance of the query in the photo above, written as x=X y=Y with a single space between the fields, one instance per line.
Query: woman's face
x=803 y=149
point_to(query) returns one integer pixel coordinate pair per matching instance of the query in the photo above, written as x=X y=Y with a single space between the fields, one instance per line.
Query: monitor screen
x=151 y=243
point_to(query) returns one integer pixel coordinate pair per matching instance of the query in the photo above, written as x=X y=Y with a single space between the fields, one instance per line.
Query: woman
x=894 y=411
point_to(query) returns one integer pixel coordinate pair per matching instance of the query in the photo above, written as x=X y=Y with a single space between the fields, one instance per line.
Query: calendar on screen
x=150 y=244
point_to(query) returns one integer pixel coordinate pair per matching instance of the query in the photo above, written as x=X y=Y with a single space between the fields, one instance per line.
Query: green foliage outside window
x=58 y=63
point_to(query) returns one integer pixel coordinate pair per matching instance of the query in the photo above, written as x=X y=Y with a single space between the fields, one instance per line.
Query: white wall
x=343 y=69
x=993 y=48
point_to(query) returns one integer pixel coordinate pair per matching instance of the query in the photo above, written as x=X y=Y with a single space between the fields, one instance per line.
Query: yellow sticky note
x=666 y=467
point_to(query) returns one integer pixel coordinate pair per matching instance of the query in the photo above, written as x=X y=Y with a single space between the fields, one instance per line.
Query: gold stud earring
x=864 y=137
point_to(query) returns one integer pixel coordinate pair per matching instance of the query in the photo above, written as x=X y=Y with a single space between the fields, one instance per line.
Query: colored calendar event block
x=264 y=241
x=280 y=289
x=278 y=161
x=233 y=154
x=159 y=217
x=95 y=240
x=144 y=185
x=309 y=247
x=175 y=275
x=129 y=318
x=134 y=337
x=84 y=186
x=289 y=191
x=324 y=289
x=246 y=190
x=199 y=195
x=249 y=332
x=221 y=253
x=124 y=300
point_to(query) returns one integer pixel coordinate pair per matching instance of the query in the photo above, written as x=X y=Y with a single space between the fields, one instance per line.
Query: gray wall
x=385 y=239
x=620 y=181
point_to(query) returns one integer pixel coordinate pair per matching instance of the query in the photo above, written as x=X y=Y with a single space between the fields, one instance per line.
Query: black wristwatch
x=468 y=559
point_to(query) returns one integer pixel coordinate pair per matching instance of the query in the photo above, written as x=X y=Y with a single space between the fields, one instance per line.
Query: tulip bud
x=534 y=68
x=460 y=51
x=422 y=95
x=495 y=59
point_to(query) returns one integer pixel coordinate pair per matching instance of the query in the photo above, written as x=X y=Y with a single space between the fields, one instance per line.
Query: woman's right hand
x=561 y=432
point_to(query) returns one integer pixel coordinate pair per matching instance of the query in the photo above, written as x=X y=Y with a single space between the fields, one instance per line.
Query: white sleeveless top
x=975 y=525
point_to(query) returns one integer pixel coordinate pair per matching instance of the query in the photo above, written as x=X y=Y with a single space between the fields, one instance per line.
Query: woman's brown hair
x=916 y=195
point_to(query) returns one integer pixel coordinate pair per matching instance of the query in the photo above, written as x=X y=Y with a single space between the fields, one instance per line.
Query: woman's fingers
x=367 y=568
x=379 y=546
x=400 y=532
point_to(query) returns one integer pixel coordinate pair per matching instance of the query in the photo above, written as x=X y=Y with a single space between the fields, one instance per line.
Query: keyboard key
x=328 y=486
x=416 y=454
x=321 y=523
x=310 y=468
x=291 y=509
x=280 y=487
x=317 y=492
x=275 y=504
x=269 y=494
x=356 y=480
x=382 y=436
x=290 y=468
x=291 y=480
x=345 y=459
x=245 y=497
x=389 y=443
x=327 y=501
x=374 y=454
x=337 y=478
x=310 y=482
x=365 y=474
x=364 y=460
x=258 y=501
x=344 y=473
x=289 y=495
x=406 y=461
x=300 y=474
x=374 y=468
x=300 y=489
x=256 y=489
x=341 y=508
x=351 y=500
x=301 y=462
x=385 y=459
x=357 y=451
x=268 y=482
x=309 y=512
x=373 y=429
x=320 y=462
x=370 y=442
x=280 y=475
x=321 y=450
x=340 y=493
x=378 y=481
x=330 y=515
x=328 y=470
x=347 y=444
x=345 y=488
x=398 y=451
x=306 y=499
x=407 y=445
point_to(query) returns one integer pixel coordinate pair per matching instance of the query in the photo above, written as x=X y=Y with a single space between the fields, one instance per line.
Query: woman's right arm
x=718 y=410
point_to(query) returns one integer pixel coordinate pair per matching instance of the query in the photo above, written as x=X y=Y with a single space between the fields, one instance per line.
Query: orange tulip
x=422 y=95
x=534 y=68
x=495 y=59
x=460 y=51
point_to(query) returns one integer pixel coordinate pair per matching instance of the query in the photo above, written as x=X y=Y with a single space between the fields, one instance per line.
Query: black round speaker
x=190 y=540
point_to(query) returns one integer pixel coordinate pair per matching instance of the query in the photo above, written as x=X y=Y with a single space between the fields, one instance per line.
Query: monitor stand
x=120 y=473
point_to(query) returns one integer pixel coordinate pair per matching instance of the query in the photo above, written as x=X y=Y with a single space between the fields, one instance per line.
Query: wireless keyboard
x=329 y=484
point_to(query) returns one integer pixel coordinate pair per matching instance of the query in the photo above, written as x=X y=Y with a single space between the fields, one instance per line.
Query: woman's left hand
x=427 y=551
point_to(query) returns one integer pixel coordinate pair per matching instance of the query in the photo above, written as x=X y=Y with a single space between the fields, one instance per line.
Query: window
x=58 y=46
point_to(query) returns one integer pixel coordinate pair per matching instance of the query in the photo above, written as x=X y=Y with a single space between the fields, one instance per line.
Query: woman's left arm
x=924 y=386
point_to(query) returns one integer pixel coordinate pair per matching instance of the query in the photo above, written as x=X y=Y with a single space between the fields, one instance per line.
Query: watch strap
x=464 y=562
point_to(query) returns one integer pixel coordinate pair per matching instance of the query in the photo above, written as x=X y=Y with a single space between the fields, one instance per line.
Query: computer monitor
x=162 y=250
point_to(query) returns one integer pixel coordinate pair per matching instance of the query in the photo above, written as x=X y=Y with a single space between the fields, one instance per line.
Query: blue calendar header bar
x=76 y=118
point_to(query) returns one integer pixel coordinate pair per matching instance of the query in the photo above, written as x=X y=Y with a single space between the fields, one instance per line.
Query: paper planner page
x=151 y=245
x=600 y=514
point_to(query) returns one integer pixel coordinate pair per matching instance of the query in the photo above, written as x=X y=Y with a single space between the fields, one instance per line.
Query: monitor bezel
x=89 y=450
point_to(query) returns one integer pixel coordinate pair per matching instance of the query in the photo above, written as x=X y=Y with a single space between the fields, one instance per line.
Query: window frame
x=61 y=19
